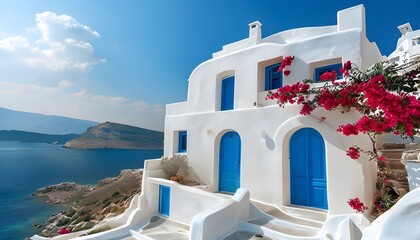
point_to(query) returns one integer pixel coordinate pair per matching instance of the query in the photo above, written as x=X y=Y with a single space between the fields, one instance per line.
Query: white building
x=288 y=172
x=238 y=139
x=408 y=45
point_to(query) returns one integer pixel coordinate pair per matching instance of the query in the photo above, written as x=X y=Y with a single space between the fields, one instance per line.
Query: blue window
x=164 y=200
x=182 y=141
x=273 y=78
x=228 y=93
x=320 y=70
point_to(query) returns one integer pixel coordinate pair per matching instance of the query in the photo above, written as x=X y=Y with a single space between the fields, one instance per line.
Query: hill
x=23 y=136
x=39 y=123
x=114 y=135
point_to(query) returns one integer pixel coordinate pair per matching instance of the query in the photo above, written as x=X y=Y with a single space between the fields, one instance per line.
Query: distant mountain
x=114 y=135
x=47 y=124
x=22 y=136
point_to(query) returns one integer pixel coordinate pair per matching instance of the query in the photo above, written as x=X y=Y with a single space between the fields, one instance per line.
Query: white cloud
x=42 y=75
x=57 y=100
x=64 y=44
x=64 y=84
x=59 y=28
x=12 y=44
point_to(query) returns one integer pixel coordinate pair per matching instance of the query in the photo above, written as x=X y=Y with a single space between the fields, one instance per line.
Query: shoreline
x=86 y=205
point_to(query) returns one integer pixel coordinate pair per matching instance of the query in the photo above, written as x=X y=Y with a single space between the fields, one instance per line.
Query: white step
x=296 y=216
x=162 y=229
x=306 y=213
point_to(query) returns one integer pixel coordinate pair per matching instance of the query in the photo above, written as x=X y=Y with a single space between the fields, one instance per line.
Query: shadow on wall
x=269 y=142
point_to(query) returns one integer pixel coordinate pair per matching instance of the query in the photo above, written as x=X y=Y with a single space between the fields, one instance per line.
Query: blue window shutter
x=182 y=141
x=273 y=78
x=267 y=79
x=228 y=93
x=164 y=200
x=321 y=70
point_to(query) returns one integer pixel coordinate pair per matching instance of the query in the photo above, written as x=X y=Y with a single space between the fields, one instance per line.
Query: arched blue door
x=308 y=181
x=229 y=162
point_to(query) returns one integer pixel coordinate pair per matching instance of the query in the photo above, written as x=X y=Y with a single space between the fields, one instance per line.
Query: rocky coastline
x=88 y=205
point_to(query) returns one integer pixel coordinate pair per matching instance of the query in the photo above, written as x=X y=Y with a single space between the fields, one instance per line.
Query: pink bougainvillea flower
x=306 y=109
x=348 y=129
x=287 y=61
x=357 y=205
x=353 y=153
x=64 y=231
x=346 y=66
x=329 y=76
x=345 y=70
x=286 y=72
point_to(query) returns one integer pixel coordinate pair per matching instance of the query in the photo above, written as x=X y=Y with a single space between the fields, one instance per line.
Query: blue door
x=229 y=162
x=308 y=183
x=164 y=199
x=228 y=90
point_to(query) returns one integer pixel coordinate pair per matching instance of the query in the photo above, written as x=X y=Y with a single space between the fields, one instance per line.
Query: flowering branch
x=384 y=95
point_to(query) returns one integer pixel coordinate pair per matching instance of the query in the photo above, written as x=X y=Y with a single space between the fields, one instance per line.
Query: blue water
x=25 y=167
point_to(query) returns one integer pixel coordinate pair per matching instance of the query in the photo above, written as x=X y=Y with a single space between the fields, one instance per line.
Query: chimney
x=255 y=30
x=405 y=28
x=351 y=18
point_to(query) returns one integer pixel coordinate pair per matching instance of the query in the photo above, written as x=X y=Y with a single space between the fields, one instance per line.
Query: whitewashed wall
x=264 y=128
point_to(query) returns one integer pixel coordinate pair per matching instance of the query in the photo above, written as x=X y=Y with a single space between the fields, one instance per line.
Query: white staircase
x=160 y=228
x=288 y=223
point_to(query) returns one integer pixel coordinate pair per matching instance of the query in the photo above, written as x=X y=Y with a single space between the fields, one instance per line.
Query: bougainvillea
x=287 y=61
x=353 y=153
x=357 y=205
x=64 y=231
x=385 y=96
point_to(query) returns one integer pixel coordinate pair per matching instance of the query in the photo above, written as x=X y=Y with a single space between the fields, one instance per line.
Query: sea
x=25 y=167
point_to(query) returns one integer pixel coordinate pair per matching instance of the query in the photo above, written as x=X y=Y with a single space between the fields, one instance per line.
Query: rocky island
x=88 y=205
x=115 y=135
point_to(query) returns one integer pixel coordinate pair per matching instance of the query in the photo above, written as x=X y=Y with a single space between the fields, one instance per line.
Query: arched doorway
x=308 y=181
x=229 y=162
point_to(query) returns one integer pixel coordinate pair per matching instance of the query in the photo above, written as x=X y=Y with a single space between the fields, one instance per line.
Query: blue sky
x=124 y=60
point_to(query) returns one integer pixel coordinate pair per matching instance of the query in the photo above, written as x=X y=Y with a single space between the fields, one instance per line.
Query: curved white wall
x=265 y=131
x=265 y=134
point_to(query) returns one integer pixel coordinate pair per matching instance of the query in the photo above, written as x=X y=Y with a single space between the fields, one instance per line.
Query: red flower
x=357 y=205
x=348 y=129
x=385 y=180
x=287 y=61
x=327 y=99
x=306 y=109
x=353 y=153
x=329 y=76
x=346 y=66
x=64 y=231
x=345 y=69
x=381 y=158
x=286 y=72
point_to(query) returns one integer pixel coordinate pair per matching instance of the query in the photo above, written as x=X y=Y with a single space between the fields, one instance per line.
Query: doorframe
x=333 y=147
